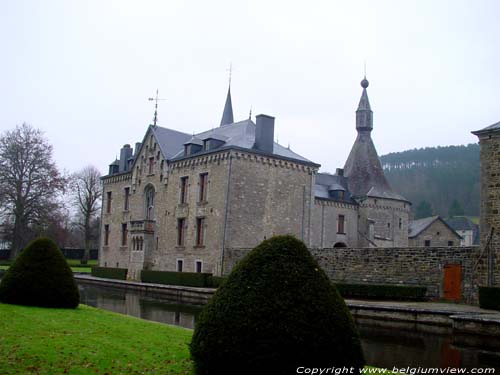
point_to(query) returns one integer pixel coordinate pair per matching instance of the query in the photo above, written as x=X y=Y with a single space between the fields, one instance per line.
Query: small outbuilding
x=432 y=231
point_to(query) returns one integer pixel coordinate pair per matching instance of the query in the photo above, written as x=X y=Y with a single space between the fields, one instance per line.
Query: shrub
x=196 y=279
x=40 y=276
x=110 y=273
x=489 y=298
x=393 y=292
x=215 y=281
x=276 y=310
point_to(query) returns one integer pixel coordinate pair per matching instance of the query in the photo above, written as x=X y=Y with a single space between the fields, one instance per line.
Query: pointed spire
x=227 y=115
x=364 y=114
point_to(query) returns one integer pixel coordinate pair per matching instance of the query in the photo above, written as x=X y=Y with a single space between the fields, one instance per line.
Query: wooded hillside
x=437 y=176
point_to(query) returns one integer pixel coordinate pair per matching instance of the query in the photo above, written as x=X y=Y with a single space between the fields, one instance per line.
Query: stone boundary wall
x=422 y=266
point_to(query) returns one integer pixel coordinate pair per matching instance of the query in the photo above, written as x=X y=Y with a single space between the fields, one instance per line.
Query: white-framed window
x=180 y=265
x=198 y=266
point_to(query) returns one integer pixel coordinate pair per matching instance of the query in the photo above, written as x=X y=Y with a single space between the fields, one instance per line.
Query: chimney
x=264 y=134
x=125 y=154
x=340 y=172
x=137 y=147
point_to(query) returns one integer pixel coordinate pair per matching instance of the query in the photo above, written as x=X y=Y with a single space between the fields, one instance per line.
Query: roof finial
x=364 y=82
x=230 y=70
x=250 y=114
x=156 y=99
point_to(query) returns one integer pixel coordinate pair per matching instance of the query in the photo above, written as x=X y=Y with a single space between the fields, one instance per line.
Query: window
x=450 y=243
x=184 y=189
x=400 y=223
x=200 y=231
x=134 y=243
x=341 y=195
x=126 y=199
x=124 y=234
x=180 y=231
x=150 y=165
x=340 y=224
x=203 y=187
x=180 y=264
x=106 y=234
x=108 y=204
x=198 y=266
x=427 y=243
x=149 y=202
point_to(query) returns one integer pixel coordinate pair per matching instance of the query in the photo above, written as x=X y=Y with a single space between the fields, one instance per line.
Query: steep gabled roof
x=169 y=140
x=460 y=223
x=415 y=227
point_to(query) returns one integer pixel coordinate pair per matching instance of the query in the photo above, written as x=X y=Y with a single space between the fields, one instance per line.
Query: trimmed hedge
x=489 y=298
x=110 y=273
x=196 y=279
x=392 y=292
x=276 y=311
x=40 y=277
x=216 y=281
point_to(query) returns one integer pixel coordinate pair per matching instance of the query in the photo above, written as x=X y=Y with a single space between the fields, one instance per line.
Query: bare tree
x=87 y=196
x=29 y=181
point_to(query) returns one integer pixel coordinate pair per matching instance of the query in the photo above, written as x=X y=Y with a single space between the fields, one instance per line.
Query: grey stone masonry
x=394 y=265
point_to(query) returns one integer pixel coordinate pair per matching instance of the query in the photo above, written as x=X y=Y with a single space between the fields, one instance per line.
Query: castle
x=176 y=201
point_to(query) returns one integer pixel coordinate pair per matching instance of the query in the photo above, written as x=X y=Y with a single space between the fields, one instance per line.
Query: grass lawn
x=41 y=341
x=73 y=263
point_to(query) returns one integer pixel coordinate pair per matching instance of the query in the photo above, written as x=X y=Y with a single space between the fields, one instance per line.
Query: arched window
x=340 y=244
x=149 y=202
x=133 y=243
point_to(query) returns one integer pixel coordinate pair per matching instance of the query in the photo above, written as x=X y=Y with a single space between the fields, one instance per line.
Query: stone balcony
x=142 y=226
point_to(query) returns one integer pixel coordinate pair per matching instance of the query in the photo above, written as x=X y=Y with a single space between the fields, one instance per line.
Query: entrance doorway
x=452 y=285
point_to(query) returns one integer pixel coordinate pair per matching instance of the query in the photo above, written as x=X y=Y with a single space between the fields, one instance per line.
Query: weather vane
x=156 y=99
x=230 y=70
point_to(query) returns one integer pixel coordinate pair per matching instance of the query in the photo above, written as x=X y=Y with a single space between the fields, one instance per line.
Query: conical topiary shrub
x=40 y=276
x=277 y=311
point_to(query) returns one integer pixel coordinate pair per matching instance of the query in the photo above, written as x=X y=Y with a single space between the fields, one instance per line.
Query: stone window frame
x=107 y=231
x=126 y=198
x=184 y=190
x=124 y=239
x=181 y=231
x=179 y=264
x=109 y=198
x=200 y=263
x=200 y=231
x=203 y=187
x=341 y=224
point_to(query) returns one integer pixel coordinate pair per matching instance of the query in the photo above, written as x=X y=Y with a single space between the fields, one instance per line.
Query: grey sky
x=82 y=71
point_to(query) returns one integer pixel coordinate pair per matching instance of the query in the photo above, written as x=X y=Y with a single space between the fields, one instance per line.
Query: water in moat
x=385 y=344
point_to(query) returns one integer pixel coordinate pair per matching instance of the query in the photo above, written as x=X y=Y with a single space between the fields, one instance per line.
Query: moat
x=385 y=344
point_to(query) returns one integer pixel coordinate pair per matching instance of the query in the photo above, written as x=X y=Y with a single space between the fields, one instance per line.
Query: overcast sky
x=82 y=71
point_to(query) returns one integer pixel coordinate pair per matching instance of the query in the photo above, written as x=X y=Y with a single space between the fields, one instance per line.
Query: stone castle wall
x=399 y=266
x=267 y=197
x=324 y=230
x=490 y=199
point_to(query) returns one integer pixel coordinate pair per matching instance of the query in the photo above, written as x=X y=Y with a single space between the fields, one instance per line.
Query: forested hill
x=436 y=176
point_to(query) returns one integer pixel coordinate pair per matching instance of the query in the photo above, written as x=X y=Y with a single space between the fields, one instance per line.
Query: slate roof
x=488 y=129
x=169 y=140
x=363 y=168
x=326 y=182
x=227 y=114
x=415 y=227
x=460 y=223
x=242 y=135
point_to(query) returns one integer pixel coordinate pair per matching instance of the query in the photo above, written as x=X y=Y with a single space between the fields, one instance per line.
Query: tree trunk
x=86 y=251
x=18 y=238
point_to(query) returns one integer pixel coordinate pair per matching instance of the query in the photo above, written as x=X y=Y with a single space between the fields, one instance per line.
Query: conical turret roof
x=363 y=168
x=227 y=115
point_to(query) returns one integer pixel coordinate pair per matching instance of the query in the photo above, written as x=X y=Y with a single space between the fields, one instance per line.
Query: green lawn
x=74 y=264
x=41 y=341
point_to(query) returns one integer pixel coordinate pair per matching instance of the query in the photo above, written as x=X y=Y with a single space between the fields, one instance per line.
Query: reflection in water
x=385 y=344
x=139 y=305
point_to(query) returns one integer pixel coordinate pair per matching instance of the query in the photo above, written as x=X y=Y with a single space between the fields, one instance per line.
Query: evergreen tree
x=424 y=209
x=455 y=209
